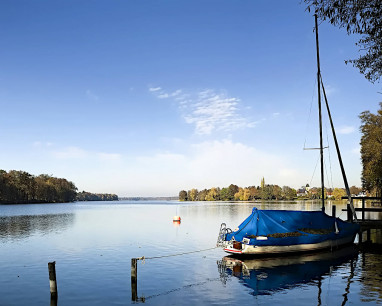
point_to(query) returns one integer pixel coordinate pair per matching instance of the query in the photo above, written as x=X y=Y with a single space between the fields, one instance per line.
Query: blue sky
x=145 y=98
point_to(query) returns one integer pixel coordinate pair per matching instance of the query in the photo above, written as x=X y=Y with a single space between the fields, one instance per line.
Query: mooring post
x=334 y=211
x=350 y=215
x=134 y=279
x=363 y=209
x=52 y=280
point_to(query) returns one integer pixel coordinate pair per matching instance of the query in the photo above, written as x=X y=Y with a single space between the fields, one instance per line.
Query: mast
x=320 y=119
x=339 y=155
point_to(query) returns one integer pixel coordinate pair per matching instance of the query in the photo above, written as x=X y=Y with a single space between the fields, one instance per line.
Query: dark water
x=93 y=243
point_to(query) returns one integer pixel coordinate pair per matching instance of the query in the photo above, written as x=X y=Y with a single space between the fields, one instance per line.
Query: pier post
x=134 y=278
x=368 y=236
x=350 y=215
x=52 y=281
x=334 y=211
x=363 y=209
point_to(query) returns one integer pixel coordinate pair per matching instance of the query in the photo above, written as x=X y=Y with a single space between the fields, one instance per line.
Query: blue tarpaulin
x=288 y=227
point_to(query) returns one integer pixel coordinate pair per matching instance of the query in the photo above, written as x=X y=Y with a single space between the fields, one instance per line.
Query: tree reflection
x=18 y=227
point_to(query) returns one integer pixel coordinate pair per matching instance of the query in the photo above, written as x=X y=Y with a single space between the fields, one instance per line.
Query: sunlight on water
x=93 y=243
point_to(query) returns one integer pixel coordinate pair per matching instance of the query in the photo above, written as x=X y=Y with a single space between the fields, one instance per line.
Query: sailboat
x=284 y=231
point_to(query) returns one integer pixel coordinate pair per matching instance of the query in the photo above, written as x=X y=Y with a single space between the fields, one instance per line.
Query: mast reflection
x=265 y=276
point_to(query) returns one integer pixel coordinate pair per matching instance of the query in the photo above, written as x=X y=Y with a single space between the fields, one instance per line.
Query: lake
x=93 y=243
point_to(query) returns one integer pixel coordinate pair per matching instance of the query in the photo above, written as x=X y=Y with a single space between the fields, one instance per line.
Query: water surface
x=93 y=243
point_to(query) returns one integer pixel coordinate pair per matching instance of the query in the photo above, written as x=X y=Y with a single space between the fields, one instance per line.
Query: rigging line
x=314 y=171
x=310 y=112
x=330 y=160
x=171 y=255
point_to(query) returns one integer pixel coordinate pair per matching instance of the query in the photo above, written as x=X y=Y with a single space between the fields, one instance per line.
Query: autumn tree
x=355 y=190
x=192 y=194
x=338 y=193
x=362 y=17
x=371 y=148
x=213 y=194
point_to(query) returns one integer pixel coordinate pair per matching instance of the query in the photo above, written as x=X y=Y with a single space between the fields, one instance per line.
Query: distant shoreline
x=175 y=198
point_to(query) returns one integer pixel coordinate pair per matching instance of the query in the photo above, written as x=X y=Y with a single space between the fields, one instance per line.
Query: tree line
x=87 y=196
x=22 y=188
x=263 y=192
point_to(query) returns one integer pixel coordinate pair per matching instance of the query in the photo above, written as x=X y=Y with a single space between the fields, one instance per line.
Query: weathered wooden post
x=363 y=209
x=52 y=281
x=350 y=215
x=134 y=279
x=334 y=211
x=368 y=235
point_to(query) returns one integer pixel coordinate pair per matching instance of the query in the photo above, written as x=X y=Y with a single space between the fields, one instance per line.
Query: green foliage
x=192 y=195
x=363 y=17
x=371 y=148
x=338 y=193
x=87 y=196
x=182 y=195
x=22 y=187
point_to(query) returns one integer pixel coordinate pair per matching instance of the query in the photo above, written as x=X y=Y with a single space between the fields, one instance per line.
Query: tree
x=267 y=192
x=224 y=196
x=355 y=190
x=213 y=194
x=362 y=17
x=232 y=190
x=202 y=195
x=371 y=148
x=276 y=192
x=289 y=193
x=193 y=194
x=183 y=195
x=338 y=193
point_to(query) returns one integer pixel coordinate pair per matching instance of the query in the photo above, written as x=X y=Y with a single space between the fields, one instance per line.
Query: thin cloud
x=154 y=89
x=209 y=111
x=70 y=153
x=346 y=130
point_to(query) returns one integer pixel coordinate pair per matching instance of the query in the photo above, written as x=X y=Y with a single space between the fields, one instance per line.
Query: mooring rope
x=143 y=258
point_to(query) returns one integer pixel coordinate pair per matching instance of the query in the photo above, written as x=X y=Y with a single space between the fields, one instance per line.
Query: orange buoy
x=176 y=219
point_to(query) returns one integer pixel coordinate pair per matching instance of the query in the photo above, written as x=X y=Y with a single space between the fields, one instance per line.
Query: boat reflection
x=265 y=276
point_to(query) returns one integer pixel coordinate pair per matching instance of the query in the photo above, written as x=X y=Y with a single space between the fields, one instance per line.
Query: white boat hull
x=261 y=250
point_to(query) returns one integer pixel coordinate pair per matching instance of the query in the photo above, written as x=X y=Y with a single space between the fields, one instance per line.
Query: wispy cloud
x=70 y=153
x=154 y=89
x=346 y=130
x=73 y=152
x=209 y=110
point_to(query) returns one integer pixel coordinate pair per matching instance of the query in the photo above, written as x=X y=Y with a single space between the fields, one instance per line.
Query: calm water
x=93 y=243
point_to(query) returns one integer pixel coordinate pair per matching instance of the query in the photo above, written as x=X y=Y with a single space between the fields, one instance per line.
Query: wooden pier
x=366 y=224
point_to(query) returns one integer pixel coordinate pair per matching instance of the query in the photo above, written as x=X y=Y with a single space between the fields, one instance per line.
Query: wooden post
x=363 y=209
x=350 y=215
x=52 y=280
x=368 y=239
x=134 y=278
x=334 y=211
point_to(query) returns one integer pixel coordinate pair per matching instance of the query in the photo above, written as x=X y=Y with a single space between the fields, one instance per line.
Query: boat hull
x=287 y=249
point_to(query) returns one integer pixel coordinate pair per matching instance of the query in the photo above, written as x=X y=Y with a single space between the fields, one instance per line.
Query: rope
x=184 y=253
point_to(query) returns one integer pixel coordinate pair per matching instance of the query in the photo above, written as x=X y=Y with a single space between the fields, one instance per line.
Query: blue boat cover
x=289 y=227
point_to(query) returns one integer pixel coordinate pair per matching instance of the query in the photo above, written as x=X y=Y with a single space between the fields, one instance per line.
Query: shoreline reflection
x=18 y=227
